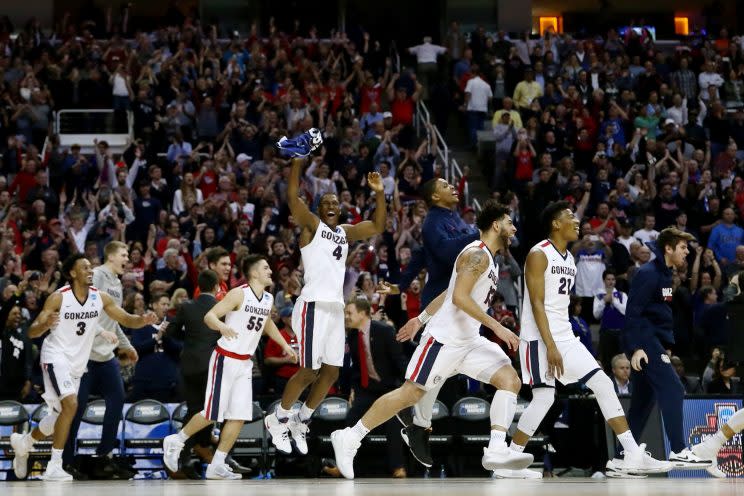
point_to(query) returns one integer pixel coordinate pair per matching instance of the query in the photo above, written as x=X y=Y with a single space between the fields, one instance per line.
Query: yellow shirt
x=525 y=92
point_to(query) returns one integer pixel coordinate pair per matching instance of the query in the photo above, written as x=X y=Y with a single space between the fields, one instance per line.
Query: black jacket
x=16 y=354
x=198 y=339
x=387 y=355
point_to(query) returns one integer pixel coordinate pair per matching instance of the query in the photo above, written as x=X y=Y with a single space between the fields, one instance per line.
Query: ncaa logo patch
x=665 y=358
x=93 y=296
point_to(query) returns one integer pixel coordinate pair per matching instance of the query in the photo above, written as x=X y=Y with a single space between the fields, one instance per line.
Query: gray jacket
x=107 y=281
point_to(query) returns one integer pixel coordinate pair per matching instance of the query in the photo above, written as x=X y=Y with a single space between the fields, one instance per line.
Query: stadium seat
x=179 y=414
x=13 y=418
x=252 y=441
x=89 y=434
x=146 y=423
x=41 y=448
x=471 y=427
x=328 y=417
x=441 y=438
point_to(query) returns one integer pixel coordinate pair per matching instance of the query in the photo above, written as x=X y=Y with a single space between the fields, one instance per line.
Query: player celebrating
x=452 y=344
x=549 y=350
x=318 y=314
x=72 y=314
x=247 y=312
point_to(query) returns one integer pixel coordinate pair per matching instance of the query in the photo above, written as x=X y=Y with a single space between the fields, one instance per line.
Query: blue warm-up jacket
x=648 y=315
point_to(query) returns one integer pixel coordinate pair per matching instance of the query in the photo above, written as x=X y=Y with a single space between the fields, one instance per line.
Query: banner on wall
x=702 y=418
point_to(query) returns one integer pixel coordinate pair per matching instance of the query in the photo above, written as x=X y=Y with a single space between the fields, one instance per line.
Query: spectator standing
x=609 y=310
x=579 y=326
x=725 y=237
x=478 y=94
x=274 y=357
x=16 y=353
x=426 y=59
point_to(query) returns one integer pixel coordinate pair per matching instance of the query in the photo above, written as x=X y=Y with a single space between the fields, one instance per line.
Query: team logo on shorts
x=665 y=358
x=438 y=379
x=67 y=384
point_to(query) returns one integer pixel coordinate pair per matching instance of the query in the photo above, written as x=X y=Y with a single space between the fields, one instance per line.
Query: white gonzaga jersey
x=560 y=278
x=248 y=322
x=72 y=337
x=450 y=325
x=324 y=259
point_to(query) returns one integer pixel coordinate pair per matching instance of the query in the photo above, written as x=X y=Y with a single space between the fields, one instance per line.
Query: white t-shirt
x=646 y=236
x=480 y=94
x=426 y=53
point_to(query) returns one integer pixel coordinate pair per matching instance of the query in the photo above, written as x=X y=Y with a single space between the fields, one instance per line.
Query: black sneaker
x=417 y=439
x=405 y=416
x=126 y=470
x=75 y=473
x=106 y=469
x=237 y=467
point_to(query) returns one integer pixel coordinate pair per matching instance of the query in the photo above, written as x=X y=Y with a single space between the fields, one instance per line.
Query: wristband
x=423 y=317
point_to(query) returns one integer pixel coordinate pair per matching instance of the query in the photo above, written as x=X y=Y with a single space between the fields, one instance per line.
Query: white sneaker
x=707 y=450
x=221 y=472
x=345 y=450
x=687 y=459
x=299 y=430
x=20 y=457
x=505 y=458
x=715 y=471
x=517 y=474
x=55 y=473
x=279 y=430
x=172 y=447
x=643 y=463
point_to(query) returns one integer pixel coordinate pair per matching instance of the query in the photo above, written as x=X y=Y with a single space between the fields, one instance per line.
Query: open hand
x=409 y=330
x=375 y=182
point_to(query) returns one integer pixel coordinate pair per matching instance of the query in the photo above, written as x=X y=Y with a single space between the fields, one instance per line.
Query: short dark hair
x=552 y=212
x=156 y=296
x=250 y=260
x=428 y=189
x=362 y=305
x=207 y=280
x=609 y=272
x=491 y=212
x=671 y=236
x=214 y=254
x=69 y=263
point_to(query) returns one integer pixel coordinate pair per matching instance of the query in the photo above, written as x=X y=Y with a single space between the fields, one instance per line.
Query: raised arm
x=366 y=229
x=470 y=265
x=48 y=317
x=300 y=213
x=125 y=318
x=535 y=267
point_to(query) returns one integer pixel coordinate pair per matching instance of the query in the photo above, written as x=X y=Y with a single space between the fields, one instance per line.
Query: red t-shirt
x=274 y=350
x=220 y=294
x=524 y=168
x=208 y=183
x=369 y=95
x=402 y=111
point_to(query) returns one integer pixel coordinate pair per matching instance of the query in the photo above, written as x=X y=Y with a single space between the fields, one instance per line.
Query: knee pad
x=604 y=391
x=422 y=410
x=542 y=400
x=503 y=407
x=46 y=425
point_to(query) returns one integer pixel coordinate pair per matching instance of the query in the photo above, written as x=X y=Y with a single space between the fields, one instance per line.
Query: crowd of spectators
x=637 y=138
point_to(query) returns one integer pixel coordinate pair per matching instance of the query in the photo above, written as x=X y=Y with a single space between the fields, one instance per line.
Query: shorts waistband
x=230 y=354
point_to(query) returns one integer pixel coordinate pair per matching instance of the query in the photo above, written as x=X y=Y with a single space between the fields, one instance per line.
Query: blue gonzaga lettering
x=335 y=238
x=257 y=310
x=81 y=315
x=563 y=271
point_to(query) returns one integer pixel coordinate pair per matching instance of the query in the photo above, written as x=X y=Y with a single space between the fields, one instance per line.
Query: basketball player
x=452 y=344
x=708 y=449
x=229 y=395
x=318 y=314
x=72 y=313
x=549 y=350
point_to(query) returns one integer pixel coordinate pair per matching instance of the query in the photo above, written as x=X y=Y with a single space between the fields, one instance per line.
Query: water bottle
x=427 y=473
x=442 y=472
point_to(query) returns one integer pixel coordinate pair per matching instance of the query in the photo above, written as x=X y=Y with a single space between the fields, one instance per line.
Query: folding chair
x=178 y=416
x=13 y=418
x=91 y=427
x=146 y=423
x=471 y=426
x=441 y=438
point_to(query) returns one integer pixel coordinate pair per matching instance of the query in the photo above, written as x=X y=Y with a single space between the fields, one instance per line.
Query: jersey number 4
x=338 y=252
x=566 y=286
x=81 y=328
x=255 y=323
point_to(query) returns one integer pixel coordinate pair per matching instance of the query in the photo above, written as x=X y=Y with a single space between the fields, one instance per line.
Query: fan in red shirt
x=24 y=181
x=603 y=224
x=218 y=260
x=276 y=358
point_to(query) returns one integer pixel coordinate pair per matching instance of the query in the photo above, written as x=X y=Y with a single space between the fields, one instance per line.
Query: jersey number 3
x=81 y=328
x=338 y=252
x=566 y=286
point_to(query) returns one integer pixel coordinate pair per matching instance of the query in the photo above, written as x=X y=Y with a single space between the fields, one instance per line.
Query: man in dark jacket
x=16 y=355
x=647 y=334
x=198 y=343
x=377 y=366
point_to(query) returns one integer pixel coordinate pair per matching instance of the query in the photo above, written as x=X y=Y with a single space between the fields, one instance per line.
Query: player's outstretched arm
x=470 y=266
x=48 y=317
x=229 y=303
x=273 y=333
x=125 y=318
x=300 y=213
x=367 y=229
x=535 y=267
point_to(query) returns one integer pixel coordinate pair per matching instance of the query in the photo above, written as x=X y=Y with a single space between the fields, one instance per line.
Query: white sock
x=498 y=439
x=305 y=413
x=219 y=457
x=56 y=456
x=516 y=447
x=28 y=441
x=736 y=422
x=719 y=439
x=281 y=413
x=359 y=431
x=629 y=443
x=182 y=436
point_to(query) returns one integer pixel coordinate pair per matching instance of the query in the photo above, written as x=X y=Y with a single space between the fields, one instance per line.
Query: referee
x=647 y=334
x=103 y=376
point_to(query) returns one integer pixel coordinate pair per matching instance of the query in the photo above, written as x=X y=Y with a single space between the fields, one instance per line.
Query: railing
x=451 y=169
x=85 y=126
